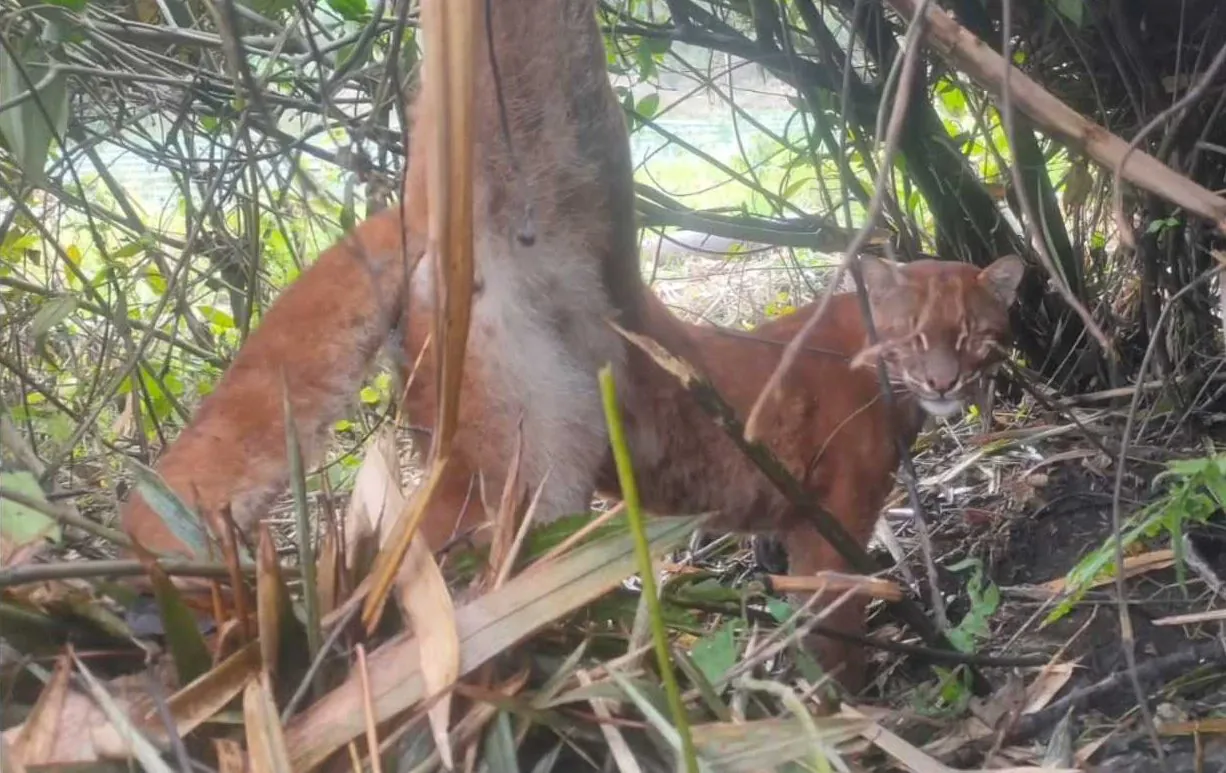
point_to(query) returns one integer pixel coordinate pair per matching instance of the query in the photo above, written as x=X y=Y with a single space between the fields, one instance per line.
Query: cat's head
x=941 y=325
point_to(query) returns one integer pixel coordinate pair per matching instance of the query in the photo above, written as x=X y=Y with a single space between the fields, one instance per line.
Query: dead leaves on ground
x=238 y=674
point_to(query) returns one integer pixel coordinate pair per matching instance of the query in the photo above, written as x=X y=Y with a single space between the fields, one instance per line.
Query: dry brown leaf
x=983 y=721
x=1212 y=725
x=83 y=732
x=35 y=743
x=1083 y=754
x=230 y=756
x=11 y=759
x=204 y=697
x=368 y=712
x=329 y=568
x=487 y=626
x=133 y=744
x=421 y=589
x=917 y=761
x=521 y=534
x=451 y=27
x=1047 y=685
x=768 y=744
x=622 y=755
x=270 y=599
x=1007 y=701
x=265 y=738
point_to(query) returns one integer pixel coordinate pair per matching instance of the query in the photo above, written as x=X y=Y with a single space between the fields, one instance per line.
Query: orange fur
x=539 y=335
x=829 y=425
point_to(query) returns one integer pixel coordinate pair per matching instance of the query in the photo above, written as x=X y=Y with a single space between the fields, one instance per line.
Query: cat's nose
x=940 y=384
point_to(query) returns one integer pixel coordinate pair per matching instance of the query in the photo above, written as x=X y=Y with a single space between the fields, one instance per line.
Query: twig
x=1022 y=380
x=304 y=686
x=65 y=517
x=80 y=570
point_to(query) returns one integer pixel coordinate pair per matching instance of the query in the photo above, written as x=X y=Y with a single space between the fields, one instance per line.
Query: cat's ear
x=880 y=276
x=1003 y=278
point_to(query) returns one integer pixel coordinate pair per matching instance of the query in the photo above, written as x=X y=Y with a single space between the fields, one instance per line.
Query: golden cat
x=555 y=255
x=941 y=327
x=546 y=286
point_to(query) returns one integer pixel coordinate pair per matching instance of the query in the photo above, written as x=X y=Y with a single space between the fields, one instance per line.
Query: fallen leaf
x=487 y=626
x=918 y=761
x=421 y=589
x=230 y=756
x=195 y=703
x=272 y=600
x=626 y=763
x=35 y=744
x=138 y=746
x=1208 y=616
x=769 y=744
x=83 y=732
x=265 y=738
x=1047 y=685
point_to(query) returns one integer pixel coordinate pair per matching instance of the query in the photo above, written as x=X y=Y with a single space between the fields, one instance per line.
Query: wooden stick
x=837 y=582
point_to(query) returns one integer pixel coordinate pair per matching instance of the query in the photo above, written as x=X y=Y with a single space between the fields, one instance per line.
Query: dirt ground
x=1030 y=510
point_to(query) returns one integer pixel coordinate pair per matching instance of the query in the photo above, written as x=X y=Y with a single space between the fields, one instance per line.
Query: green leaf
x=646 y=62
x=219 y=319
x=50 y=314
x=500 y=746
x=24 y=126
x=658 y=46
x=715 y=654
x=1073 y=10
x=350 y=10
x=794 y=187
x=155 y=280
x=20 y=524
x=183 y=636
x=954 y=100
x=128 y=250
x=779 y=609
x=649 y=104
